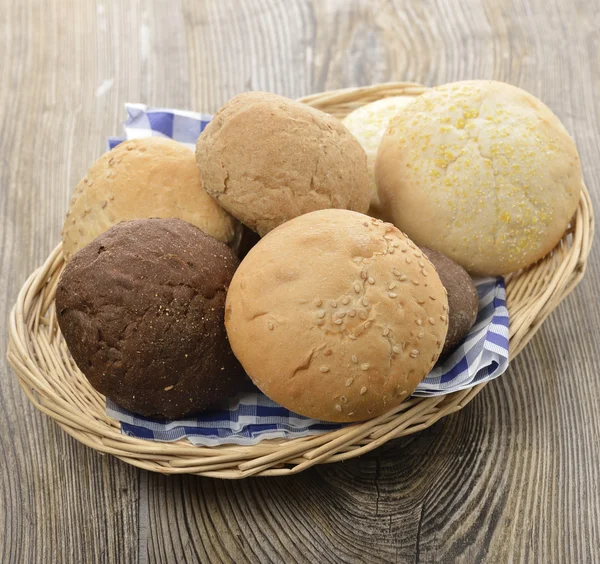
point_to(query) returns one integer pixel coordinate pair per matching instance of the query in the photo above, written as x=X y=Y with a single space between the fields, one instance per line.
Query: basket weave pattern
x=54 y=384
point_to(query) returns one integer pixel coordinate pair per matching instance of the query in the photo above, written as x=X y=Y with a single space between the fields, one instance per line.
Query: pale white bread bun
x=368 y=124
x=481 y=171
x=267 y=159
x=143 y=178
x=336 y=315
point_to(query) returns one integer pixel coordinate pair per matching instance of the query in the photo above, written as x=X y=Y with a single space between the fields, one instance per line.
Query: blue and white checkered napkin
x=252 y=417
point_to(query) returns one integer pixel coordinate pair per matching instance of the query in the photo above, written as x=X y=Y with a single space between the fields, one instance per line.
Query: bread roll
x=336 y=315
x=481 y=171
x=141 y=310
x=463 y=301
x=368 y=124
x=267 y=159
x=150 y=177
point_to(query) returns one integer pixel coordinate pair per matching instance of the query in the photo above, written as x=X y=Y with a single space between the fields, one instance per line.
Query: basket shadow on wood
x=54 y=384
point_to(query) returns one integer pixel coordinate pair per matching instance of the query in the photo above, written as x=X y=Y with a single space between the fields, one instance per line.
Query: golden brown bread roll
x=336 y=315
x=142 y=178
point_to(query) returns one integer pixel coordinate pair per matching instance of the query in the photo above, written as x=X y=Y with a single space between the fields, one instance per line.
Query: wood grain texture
x=511 y=478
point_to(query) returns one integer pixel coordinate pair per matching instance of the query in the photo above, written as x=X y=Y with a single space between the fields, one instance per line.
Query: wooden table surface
x=511 y=478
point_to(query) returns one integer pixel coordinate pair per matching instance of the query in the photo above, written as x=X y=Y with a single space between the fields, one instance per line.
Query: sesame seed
x=319 y=303
x=341 y=314
x=392 y=295
x=362 y=315
x=396 y=272
x=320 y=314
x=424 y=272
x=338 y=407
x=363 y=274
x=343 y=399
x=346 y=301
x=363 y=390
x=349 y=382
x=443 y=317
x=168 y=388
x=415 y=282
x=438 y=343
x=414 y=353
x=391 y=251
x=408 y=261
x=357 y=288
x=388 y=238
x=419 y=322
x=354 y=359
x=271 y=326
x=403 y=278
x=371 y=280
x=432 y=321
x=392 y=286
x=432 y=298
x=395 y=349
x=367 y=324
x=333 y=303
x=386 y=332
x=352 y=313
x=421 y=263
x=420 y=302
x=364 y=302
x=352 y=336
x=351 y=413
x=421 y=335
x=445 y=307
x=364 y=366
x=324 y=369
x=338 y=322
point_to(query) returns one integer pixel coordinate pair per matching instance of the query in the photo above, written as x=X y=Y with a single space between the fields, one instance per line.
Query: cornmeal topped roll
x=481 y=171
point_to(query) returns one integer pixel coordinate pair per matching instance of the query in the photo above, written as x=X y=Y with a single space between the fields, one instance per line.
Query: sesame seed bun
x=481 y=171
x=143 y=178
x=368 y=124
x=267 y=159
x=336 y=315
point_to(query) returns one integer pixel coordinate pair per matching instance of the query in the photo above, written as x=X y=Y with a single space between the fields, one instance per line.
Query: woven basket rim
x=50 y=380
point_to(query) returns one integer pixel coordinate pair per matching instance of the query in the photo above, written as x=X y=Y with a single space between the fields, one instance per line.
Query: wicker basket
x=55 y=386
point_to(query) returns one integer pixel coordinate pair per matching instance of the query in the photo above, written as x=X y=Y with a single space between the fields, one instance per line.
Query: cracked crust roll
x=141 y=178
x=267 y=159
x=481 y=171
x=141 y=309
x=336 y=315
